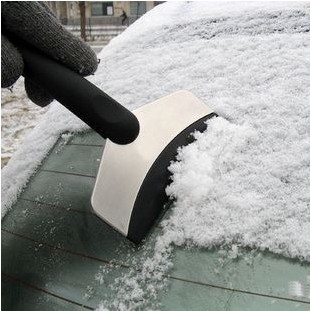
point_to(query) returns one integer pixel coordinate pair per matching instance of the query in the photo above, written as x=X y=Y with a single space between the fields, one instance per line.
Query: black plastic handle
x=101 y=112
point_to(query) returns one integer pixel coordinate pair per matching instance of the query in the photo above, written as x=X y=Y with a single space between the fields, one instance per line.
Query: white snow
x=36 y=145
x=18 y=117
x=245 y=181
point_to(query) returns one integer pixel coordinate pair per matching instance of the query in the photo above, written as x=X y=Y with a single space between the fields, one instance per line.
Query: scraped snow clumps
x=235 y=185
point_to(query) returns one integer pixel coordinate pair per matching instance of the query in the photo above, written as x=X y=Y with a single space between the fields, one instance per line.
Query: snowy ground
x=18 y=116
x=245 y=181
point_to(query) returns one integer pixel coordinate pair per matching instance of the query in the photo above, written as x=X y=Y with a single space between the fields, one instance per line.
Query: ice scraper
x=129 y=192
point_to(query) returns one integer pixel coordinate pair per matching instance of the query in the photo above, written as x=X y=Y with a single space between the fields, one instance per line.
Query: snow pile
x=245 y=181
x=245 y=186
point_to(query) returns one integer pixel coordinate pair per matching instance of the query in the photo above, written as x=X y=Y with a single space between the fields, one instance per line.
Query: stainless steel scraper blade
x=129 y=193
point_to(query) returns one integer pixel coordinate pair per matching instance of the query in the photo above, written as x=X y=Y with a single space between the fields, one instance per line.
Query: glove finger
x=11 y=63
x=34 y=23
x=36 y=93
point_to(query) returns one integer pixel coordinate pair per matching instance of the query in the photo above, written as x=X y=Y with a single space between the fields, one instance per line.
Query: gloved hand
x=36 y=24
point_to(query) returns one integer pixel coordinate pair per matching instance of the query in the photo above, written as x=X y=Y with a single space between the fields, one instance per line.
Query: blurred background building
x=100 y=20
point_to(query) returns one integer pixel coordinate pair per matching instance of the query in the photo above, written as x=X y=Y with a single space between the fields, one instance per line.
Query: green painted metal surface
x=53 y=246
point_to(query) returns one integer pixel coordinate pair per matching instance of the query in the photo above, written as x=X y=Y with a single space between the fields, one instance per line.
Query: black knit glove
x=37 y=25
